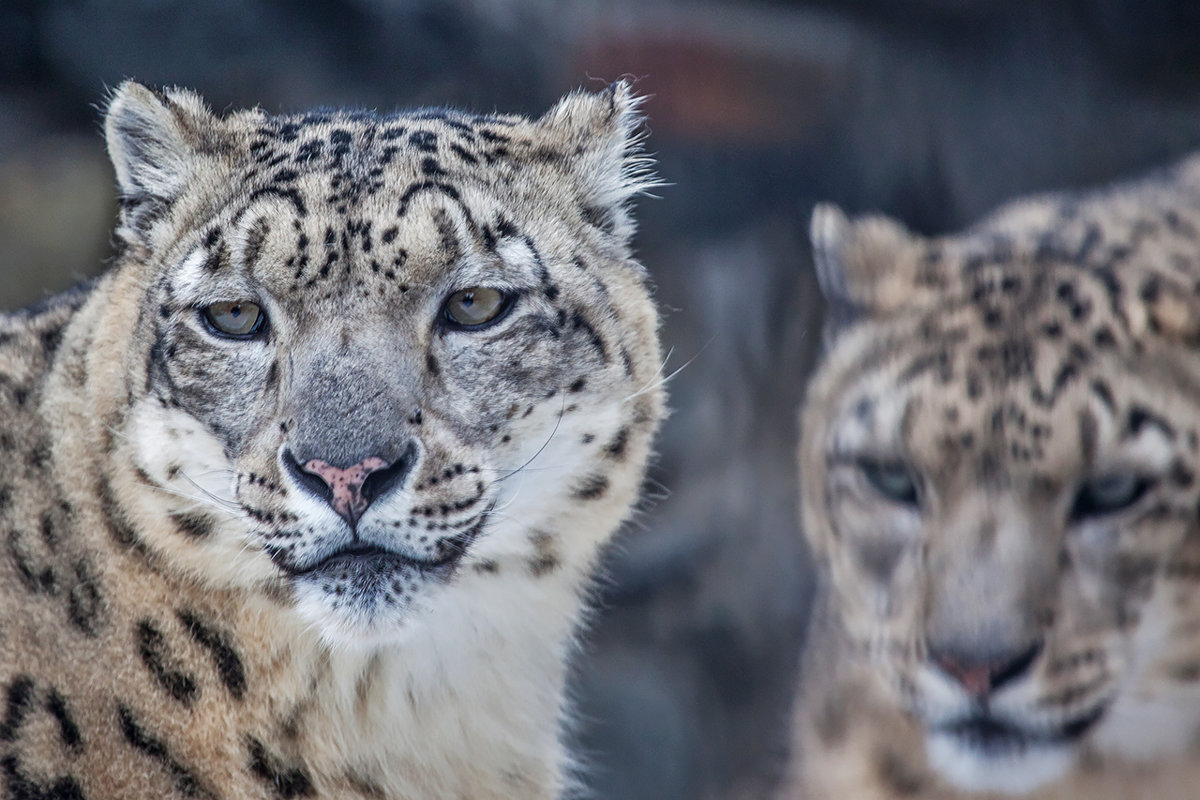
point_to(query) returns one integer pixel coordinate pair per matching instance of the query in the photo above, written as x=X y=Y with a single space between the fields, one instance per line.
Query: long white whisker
x=545 y=444
x=654 y=384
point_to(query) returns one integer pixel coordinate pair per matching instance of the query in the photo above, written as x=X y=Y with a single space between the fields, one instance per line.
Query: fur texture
x=342 y=552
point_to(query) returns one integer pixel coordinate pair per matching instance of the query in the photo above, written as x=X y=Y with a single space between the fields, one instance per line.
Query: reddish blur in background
x=931 y=110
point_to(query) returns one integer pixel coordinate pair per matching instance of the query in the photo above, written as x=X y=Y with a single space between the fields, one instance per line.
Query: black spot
x=1181 y=474
x=285 y=781
x=425 y=141
x=1101 y=390
x=492 y=136
x=85 y=605
x=225 y=657
x=616 y=448
x=463 y=154
x=19 y=698
x=431 y=167
x=38 y=580
x=592 y=488
x=68 y=729
x=192 y=525
x=901 y=778
x=50 y=338
x=598 y=217
x=22 y=787
x=581 y=324
x=432 y=365
x=185 y=782
x=830 y=722
x=152 y=646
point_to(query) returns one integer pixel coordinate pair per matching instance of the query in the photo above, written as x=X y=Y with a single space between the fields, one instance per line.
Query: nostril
x=308 y=480
x=384 y=480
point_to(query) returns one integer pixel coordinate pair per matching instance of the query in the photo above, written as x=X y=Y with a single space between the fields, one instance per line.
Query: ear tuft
x=152 y=137
x=603 y=137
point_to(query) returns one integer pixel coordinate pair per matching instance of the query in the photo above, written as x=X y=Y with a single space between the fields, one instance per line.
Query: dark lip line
x=456 y=550
x=1068 y=732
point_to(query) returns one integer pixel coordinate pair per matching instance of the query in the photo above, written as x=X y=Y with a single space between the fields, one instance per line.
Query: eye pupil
x=475 y=307
x=893 y=481
x=239 y=319
x=1107 y=495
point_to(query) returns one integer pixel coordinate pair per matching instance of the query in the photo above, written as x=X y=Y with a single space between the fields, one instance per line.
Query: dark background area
x=930 y=110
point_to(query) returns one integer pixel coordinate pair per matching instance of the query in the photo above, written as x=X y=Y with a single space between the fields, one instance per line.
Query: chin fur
x=354 y=623
x=1014 y=770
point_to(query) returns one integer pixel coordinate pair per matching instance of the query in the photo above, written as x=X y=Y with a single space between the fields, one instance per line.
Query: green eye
x=893 y=481
x=471 y=308
x=239 y=319
x=1108 y=494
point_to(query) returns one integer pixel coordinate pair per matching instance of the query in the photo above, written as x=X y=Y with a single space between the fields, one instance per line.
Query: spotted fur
x=998 y=468
x=344 y=556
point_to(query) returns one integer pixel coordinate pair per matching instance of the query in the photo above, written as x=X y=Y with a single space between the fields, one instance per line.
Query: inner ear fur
x=600 y=136
x=153 y=137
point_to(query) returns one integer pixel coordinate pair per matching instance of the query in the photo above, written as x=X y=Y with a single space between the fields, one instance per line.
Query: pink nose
x=976 y=679
x=346 y=484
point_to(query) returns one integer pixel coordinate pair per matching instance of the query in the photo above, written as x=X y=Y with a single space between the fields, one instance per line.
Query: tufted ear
x=153 y=138
x=601 y=136
x=864 y=267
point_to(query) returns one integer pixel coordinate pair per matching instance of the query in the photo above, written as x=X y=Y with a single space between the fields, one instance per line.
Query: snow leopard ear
x=865 y=267
x=600 y=137
x=153 y=138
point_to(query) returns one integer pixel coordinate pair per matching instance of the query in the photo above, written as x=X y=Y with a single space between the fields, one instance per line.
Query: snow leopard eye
x=475 y=307
x=893 y=481
x=239 y=319
x=1108 y=494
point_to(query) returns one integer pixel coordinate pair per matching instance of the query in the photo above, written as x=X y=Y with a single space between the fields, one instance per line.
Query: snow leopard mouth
x=991 y=737
x=362 y=565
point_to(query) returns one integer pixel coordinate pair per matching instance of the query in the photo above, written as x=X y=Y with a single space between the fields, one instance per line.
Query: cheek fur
x=225 y=386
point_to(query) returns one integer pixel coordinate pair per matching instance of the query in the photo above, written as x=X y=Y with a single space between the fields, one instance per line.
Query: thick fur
x=1007 y=371
x=165 y=630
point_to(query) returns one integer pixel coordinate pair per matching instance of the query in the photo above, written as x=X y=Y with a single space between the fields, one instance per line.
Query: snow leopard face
x=384 y=360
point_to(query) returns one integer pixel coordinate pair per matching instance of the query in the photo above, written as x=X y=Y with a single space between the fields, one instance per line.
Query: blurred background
x=933 y=111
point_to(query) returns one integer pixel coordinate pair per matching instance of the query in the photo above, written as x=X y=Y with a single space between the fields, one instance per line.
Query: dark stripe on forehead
x=290 y=195
x=426 y=186
x=440 y=188
x=255 y=240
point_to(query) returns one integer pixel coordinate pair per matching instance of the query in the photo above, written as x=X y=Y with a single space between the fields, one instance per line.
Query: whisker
x=545 y=444
x=654 y=384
